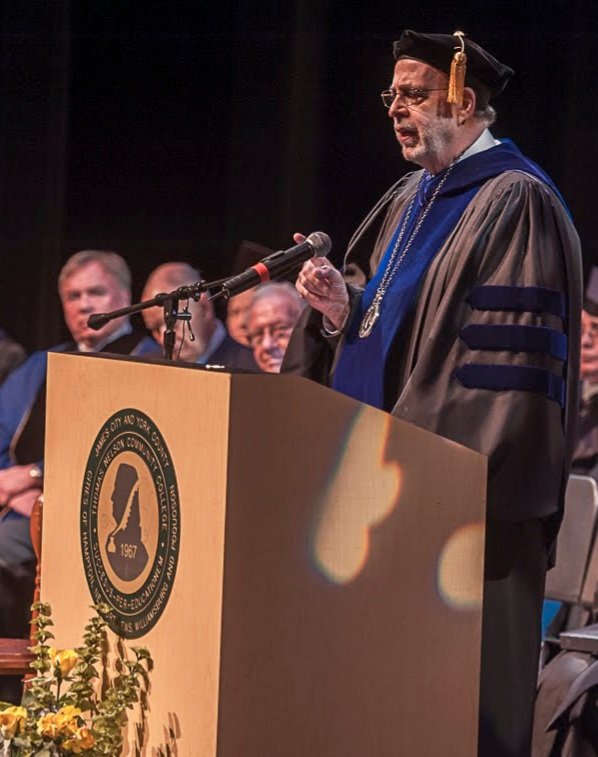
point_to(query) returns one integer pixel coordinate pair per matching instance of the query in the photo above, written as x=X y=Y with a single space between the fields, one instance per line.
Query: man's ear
x=466 y=110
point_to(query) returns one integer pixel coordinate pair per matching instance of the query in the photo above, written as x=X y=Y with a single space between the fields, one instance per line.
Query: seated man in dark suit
x=211 y=343
x=90 y=281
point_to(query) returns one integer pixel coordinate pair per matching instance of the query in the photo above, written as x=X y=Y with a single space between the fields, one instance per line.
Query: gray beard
x=432 y=143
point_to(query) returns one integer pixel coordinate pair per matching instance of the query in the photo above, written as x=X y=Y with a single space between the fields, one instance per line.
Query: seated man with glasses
x=464 y=320
x=271 y=317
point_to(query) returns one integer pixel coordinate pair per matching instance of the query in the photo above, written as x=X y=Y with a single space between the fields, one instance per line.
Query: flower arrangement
x=67 y=709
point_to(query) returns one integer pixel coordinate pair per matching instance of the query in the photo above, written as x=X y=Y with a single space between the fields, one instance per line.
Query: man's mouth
x=273 y=362
x=407 y=135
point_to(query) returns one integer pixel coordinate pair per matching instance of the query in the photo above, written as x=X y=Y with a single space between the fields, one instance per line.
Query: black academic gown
x=514 y=233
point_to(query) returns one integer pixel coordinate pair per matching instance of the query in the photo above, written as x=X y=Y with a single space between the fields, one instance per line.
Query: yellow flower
x=61 y=723
x=47 y=726
x=11 y=720
x=81 y=740
x=64 y=659
x=67 y=714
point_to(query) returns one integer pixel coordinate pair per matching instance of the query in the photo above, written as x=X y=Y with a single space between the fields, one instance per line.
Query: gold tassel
x=458 y=71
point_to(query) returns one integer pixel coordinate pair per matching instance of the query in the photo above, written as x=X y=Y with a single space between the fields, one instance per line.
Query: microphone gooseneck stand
x=272 y=267
x=169 y=301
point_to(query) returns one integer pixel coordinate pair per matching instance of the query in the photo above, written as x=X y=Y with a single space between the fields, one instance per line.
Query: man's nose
x=268 y=341
x=398 y=109
x=85 y=303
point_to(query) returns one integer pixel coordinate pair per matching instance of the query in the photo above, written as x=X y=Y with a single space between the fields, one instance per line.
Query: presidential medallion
x=369 y=319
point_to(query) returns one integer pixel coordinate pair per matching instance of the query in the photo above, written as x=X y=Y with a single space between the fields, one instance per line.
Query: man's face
x=201 y=316
x=92 y=289
x=236 y=316
x=425 y=126
x=270 y=324
x=589 y=347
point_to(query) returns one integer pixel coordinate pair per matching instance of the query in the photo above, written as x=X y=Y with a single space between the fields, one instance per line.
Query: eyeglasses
x=407 y=95
x=277 y=334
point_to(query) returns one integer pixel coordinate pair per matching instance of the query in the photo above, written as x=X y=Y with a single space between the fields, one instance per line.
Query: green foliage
x=72 y=705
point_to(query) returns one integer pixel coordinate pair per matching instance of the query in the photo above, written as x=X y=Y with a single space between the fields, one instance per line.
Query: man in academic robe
x=464 y=320
x=91 y=281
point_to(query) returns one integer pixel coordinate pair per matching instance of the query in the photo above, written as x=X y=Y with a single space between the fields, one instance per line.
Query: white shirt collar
x=484 y=142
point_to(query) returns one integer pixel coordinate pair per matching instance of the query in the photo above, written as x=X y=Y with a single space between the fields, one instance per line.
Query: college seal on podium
x=130 y=522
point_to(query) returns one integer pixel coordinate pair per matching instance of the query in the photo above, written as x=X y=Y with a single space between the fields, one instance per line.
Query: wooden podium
x=305 y=570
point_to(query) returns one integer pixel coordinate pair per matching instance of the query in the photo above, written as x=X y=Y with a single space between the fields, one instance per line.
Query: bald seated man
x=273 y=312
x=212 y=344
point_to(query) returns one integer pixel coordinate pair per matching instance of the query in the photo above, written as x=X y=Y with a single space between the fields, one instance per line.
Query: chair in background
x=573 y=580
x=15 y=655
x=566 y=712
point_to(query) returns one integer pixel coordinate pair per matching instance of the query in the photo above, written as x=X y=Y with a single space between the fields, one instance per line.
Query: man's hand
x=15 y=481
x=322 y=286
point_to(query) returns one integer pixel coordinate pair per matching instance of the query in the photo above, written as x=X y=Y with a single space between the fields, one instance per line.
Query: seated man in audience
x=247 y=255
x=236 y=316
x=11 y=355
x=90 y=282
x=273 y=313
x=210 y=343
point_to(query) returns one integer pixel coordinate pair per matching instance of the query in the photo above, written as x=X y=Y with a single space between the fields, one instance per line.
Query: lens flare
x=461 y=567
x=354 y=503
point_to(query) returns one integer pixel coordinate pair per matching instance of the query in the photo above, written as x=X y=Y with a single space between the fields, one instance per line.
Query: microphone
x=97 y=320
x=277 y=264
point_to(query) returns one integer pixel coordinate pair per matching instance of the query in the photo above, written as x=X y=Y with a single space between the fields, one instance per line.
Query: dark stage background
x=176 y=130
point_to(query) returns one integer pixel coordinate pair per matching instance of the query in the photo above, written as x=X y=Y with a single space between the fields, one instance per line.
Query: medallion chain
x=373 y=312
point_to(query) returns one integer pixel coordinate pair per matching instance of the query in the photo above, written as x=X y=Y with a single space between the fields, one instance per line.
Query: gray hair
x=111 y=262
x=487 y=115
x=263 y=291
